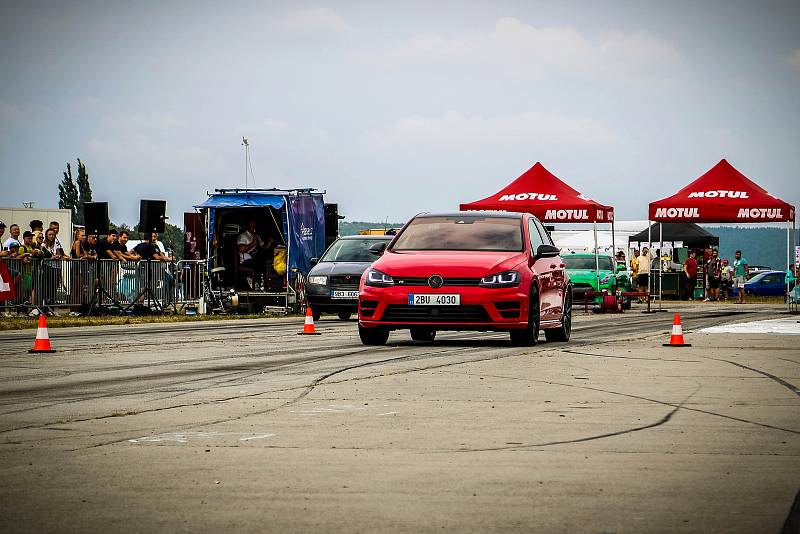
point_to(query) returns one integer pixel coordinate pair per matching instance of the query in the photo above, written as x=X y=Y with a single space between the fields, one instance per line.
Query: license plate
x=434 y=299
x=349 y=295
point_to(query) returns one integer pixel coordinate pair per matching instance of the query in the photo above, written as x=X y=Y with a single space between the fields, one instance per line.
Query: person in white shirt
x=643 y=261
x=14 y=231
x=55 y=226
x=252 y=249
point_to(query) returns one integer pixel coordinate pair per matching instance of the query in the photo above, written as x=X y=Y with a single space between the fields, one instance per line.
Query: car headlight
x=318 y=280
x=375 y=278
x=504 y=279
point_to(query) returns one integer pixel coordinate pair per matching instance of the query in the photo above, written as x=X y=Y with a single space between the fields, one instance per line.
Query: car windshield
x=462 y=233
x=587 y=262
x=355 y=250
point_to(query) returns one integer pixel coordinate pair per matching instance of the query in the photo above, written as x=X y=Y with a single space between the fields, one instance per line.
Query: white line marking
x=387 y=413
x=788 y=327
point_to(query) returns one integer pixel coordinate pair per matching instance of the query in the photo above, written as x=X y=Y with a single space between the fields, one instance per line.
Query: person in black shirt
x=149 y=250
x=89 y=247
x=107 y=246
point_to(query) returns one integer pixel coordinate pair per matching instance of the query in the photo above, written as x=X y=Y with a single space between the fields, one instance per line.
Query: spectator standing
x=76 y=251
x=643 y=265
x=727 y=279
x=690 y=272
x=55 y=226
x=52 y=254
x=740 y=270
x=122 y=248
x=149 y=251
x=13 y=231
x=714 y=269
x=28 y=252
x=107 y=247
x=89 y=246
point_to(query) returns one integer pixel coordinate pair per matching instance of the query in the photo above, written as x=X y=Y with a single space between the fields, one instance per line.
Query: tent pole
x=613 y=245
x=649 y=241
x=660 y=264
x=788 y=260
x=596 y=258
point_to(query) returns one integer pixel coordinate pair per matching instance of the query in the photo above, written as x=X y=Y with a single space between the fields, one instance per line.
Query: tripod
x=148 y=288
x=99 y=291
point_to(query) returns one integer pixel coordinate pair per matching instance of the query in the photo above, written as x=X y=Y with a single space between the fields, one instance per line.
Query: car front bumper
x=480 y=309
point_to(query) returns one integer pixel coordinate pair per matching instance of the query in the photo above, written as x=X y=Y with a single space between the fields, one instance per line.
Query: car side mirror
x=314 y=261
x=547 y=251
x=377 y=249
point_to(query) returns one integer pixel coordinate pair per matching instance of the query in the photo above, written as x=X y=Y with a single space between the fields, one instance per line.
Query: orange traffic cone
x=42 y=343
x=676 y=339
x=308 y=327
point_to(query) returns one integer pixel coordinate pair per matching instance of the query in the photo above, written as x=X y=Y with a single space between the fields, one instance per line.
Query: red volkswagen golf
x=467 y=271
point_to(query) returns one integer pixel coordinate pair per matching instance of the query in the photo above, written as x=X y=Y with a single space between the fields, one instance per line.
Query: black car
x=332 y=284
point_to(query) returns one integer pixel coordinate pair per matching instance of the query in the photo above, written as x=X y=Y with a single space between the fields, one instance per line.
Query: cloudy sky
x=395 y=107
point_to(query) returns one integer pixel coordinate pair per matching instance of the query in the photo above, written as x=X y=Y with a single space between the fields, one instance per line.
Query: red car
x=467 y=271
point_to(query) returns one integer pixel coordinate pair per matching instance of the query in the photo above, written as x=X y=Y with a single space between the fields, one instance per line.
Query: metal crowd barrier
x=86 y=284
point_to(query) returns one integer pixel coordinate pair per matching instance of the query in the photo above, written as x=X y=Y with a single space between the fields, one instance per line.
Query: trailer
x=293 y=224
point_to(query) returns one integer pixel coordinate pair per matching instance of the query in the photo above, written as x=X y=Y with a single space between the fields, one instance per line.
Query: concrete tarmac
x=247 y=427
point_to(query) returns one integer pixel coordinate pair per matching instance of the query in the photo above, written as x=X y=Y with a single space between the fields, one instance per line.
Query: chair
x=794 y=298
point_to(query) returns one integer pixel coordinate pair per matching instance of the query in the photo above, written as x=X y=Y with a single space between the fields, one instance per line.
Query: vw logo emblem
x=435 y=281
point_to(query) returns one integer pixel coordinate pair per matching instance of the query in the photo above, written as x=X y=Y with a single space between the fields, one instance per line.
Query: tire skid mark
x=663 y=420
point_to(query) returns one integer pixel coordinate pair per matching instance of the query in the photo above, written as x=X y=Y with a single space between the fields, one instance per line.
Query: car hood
x=584 y=274
x=466 y=264
x=329 y=268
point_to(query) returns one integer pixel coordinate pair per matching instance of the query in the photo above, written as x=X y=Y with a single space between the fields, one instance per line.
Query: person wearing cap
x=14 y=231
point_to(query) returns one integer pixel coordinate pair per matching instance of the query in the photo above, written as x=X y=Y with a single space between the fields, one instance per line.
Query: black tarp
x=692 y=235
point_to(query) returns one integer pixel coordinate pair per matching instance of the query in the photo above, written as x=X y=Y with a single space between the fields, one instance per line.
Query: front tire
x=563 y=332
x=423 y=334
x=344 y=316
x=529 y=335
x=373 y=336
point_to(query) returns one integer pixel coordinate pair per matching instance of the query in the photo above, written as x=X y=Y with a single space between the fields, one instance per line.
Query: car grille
x=458 y=314
x=345 y=283
x=581 y=287
x=420 y=281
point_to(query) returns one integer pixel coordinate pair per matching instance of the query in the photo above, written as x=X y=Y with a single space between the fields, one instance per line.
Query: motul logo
x=566 y=214
x=673 y=213
x=759 y=213
x=720 y=193
x=528 y=196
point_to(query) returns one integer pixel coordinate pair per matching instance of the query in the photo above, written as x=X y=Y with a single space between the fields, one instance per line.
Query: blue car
x=770 y=283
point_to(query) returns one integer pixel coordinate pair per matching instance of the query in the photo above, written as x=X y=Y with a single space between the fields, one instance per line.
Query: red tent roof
x=723 y=194
x=540 y=192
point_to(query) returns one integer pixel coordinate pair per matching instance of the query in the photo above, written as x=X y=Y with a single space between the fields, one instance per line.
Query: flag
x=7 y=290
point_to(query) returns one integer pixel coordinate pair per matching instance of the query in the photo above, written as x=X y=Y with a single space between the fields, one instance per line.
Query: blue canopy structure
x=302 y=220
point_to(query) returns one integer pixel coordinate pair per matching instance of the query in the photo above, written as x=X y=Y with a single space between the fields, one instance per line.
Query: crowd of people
x=38 y=250
x=46 y=244
x=722 y=278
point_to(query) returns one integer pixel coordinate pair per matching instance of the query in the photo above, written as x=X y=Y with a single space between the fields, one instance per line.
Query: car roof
x=486 y=214
x=360 y=237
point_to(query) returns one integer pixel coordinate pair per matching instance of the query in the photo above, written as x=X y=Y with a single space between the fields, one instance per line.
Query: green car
x=584 y=275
